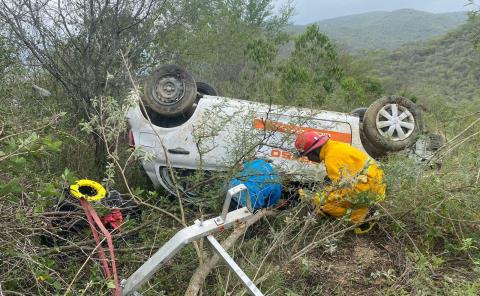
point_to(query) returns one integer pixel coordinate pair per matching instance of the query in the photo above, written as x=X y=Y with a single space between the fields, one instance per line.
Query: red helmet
x=308 y=141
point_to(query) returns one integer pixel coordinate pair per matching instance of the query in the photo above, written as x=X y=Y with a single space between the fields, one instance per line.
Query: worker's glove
x=306 y=195
x=319 y=199
x=362 y=179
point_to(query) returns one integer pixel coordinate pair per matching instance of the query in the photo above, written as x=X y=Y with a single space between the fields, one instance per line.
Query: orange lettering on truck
x=286 y=155
x=281 y=127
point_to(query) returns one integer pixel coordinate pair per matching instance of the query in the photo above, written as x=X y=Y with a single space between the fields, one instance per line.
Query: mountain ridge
x=447 y=66
x=386 y=30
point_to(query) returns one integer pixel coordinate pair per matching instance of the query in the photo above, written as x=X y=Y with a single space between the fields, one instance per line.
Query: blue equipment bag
x=263 y=182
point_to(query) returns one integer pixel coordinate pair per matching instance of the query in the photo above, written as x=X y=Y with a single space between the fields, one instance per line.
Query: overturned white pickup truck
x=187 y=123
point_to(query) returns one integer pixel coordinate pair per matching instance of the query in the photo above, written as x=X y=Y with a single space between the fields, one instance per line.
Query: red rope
x=94 y=222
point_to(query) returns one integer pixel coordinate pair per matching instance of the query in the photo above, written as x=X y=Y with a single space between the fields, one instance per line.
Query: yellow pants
x=338 y=201
x=338 y=209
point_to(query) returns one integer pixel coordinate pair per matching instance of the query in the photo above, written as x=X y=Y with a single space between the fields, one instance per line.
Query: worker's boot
x=365 y=227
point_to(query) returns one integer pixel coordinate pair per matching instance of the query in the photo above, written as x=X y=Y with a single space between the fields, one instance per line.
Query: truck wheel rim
x=395 y=122
x=169 y=90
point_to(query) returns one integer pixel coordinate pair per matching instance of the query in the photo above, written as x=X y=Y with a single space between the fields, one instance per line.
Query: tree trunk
x=100 y=153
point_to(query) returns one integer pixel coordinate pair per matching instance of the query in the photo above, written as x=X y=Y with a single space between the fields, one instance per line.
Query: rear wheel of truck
x=371 y=149
x=359 y=112
x=204 y=88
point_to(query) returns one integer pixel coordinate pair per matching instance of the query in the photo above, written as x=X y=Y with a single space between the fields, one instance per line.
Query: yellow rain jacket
x=357 y=182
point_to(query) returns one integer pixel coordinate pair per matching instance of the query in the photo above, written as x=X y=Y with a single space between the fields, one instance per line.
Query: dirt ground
x=359 y=265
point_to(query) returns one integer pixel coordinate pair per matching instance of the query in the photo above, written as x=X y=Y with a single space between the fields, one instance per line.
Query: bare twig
x=451 y=149
x=439 y=152
x=83 y=265
x=1 y=132
x=50 y=123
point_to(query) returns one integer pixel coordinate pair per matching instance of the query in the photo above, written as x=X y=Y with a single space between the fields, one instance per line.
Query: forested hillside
x=447 y=67
x=387 y=30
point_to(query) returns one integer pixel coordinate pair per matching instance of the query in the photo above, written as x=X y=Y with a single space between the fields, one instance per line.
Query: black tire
x=371 y=149
x=204 y=88
x=359 y=112
x=394 y=133
x=170 y=91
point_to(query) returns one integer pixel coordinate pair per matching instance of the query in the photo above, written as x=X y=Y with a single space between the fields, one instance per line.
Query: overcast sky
x=309 y=11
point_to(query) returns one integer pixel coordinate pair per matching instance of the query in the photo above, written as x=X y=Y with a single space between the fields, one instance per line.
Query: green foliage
x=10 y=66
x=261 y=52
x=352 y=86
x=26 y=190
x=20 y=149
x=312 y=70
x=215 y=44
x=8 y=57
x=314 y=74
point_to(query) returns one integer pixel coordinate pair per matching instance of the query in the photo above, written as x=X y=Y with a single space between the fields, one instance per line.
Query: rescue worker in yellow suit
x=357 y=180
